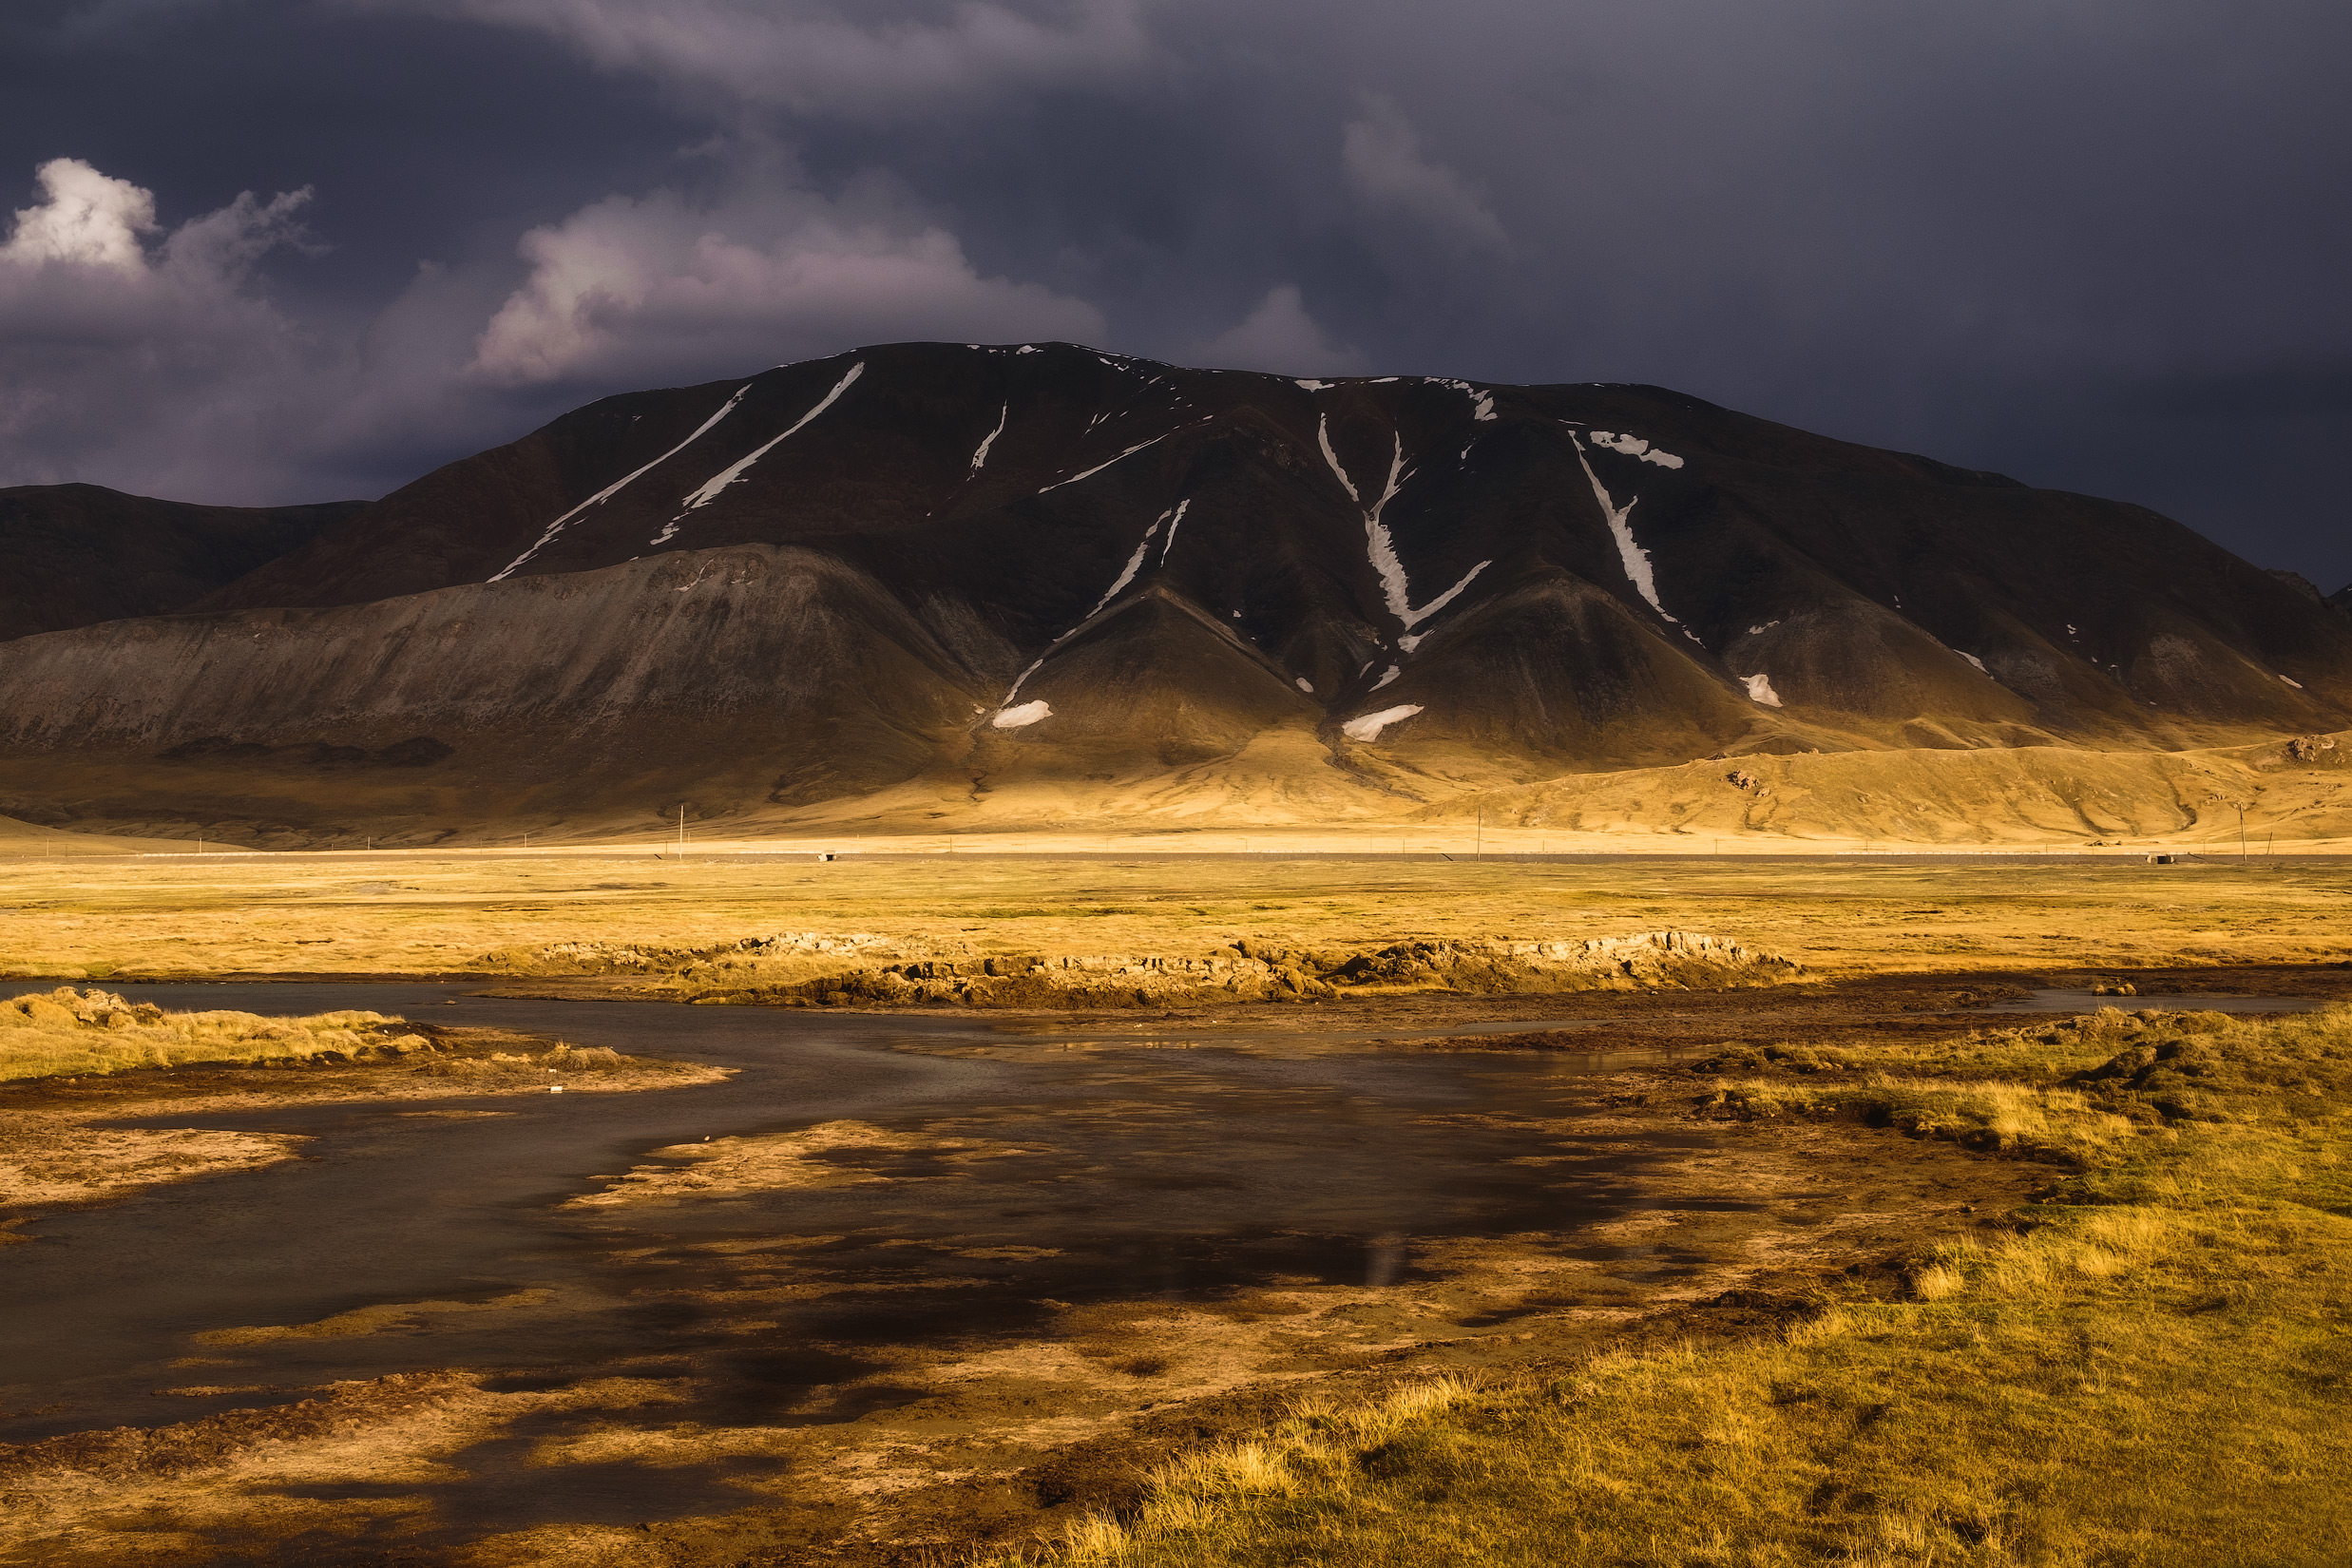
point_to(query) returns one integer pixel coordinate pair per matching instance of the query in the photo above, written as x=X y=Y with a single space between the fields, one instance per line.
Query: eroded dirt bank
x=850 y=1338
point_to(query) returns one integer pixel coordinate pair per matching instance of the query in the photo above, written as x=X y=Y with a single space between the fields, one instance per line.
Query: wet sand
x=932 y=1280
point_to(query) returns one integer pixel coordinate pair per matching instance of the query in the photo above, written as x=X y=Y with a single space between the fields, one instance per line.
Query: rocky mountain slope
x=79 y=554
x=963 y=569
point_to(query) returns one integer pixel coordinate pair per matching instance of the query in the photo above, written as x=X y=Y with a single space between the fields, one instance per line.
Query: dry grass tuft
x=71 y=1033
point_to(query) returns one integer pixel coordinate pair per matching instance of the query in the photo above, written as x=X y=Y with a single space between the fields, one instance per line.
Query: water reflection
x=1137 y=1174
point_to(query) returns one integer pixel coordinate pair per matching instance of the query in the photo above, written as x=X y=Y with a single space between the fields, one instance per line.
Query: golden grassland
x=69 y=1032
x=480 y=912
x=2147 y=1367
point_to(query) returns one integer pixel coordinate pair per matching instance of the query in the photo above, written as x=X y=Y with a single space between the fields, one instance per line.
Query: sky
x=263 y=251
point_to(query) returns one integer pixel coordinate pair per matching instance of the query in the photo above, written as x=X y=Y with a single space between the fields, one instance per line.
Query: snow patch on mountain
x=1323 y=439
x=1417 y=617
x=1760 y=690
x=734 y=472
x=1634 y=445
x=1134 y=564
x=1368 y=728
x=1637 y=560
x=1099 y=467
x=618 y=486
x=1481 y=404
x=981 y=455
x=1027 y=714
x=1174 y=519
x=1381 y=547
x=1395 y=589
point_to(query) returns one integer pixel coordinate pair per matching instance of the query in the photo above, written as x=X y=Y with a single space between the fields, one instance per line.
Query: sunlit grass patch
x=70 y=1033
x=2147 y=1367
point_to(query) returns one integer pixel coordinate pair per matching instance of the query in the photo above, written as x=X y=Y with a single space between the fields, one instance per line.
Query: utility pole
x=1479 y=843
x=681 y=829
x=2241 y=835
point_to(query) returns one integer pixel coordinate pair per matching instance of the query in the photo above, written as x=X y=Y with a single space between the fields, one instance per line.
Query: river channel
x=1035 y=1223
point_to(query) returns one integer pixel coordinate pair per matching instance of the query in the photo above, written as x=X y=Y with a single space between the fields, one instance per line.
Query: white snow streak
x=736 y=470
x=1481 y=404
x=1394 y=589
x=1394 y=670
x=1174 y=518
x=1637 y=567
x=1384 y=550
x=1318 y=386
x=617 y=486
x=1134 y=564
x=1099 y=467
x=1758 y=631
x=1973 y=660
x=1444 y=598
x=981 y=456
x=1306 y=685
x=1036 y=664
x=1760 y=690
x=1368 y=727
x=1028 y=713
x=2296 y=685
x=1323 y=439
x=1634 y=445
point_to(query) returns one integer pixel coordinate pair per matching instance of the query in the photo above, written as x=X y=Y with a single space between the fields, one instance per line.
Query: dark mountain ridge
x=1042 y=563
x=80 y=554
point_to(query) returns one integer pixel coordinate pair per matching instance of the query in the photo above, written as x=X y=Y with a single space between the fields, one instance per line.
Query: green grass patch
x=70 y=1033
x=2153 y=1366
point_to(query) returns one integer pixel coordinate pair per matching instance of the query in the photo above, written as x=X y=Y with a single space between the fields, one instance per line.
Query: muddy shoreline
x=891 y=1378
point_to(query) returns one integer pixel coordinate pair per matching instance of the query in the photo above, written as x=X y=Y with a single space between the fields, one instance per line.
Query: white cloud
x=804 y=57
x=88 y=221
x=638 y=290
x=1381 y=157
x=143 y=363
x=1280 y=335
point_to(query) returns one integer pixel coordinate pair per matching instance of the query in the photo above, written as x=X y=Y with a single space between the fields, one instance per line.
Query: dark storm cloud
x=2097 y=244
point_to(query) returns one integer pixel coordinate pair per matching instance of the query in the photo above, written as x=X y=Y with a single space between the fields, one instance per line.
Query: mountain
x=78 y=554
x=930 y=577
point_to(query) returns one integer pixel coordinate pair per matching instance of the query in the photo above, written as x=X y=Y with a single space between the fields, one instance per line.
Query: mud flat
x=875 y=1287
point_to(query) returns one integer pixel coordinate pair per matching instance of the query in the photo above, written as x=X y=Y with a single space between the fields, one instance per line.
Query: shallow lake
x=1133 y=1166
